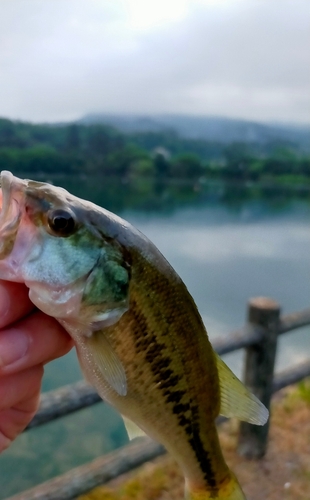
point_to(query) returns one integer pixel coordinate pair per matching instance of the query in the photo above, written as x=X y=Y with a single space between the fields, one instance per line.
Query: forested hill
x=206 y=128
x=103 y=149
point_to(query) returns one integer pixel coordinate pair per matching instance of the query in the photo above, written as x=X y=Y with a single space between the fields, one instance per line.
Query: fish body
x=139 y=336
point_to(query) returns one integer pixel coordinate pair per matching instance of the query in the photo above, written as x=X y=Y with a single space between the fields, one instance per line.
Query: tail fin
x=230 y=491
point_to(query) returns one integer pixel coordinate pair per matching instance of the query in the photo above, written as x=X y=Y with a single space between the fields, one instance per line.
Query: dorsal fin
x=236 y=400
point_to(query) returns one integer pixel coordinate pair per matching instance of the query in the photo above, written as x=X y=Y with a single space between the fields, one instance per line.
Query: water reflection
x=154 y=195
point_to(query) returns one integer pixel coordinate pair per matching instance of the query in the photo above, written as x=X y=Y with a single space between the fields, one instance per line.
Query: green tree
x=121 y=161
x=161 y=165
x=238 y=160
x=42 y=158
x=186 y=166
x=141 y=167
x=73 y=138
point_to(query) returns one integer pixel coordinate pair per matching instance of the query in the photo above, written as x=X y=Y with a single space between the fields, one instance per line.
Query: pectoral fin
x=236 y=400
x=107 y=362
x=132 y=429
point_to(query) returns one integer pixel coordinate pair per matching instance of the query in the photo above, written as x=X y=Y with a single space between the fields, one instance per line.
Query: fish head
x=60 y=246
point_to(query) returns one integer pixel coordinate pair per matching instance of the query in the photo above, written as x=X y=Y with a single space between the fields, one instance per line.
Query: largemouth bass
x=138 y=334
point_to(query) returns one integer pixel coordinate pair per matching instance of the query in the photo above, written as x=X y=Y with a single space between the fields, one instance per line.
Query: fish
x=139 y=337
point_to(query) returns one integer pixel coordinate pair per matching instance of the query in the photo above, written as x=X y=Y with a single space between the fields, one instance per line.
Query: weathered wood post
x=259 y=371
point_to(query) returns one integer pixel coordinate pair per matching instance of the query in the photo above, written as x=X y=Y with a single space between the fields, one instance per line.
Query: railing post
x=259 y=371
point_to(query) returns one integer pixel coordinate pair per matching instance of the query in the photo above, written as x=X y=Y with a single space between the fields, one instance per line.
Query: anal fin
x=132 y=429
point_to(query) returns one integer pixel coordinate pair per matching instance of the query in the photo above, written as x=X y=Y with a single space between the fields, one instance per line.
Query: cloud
x=60 y=59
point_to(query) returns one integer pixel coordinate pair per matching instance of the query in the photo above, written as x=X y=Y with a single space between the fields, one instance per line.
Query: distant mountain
x=223 y=130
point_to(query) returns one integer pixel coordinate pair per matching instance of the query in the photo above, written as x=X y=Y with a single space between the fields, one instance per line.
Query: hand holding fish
x=23 y=353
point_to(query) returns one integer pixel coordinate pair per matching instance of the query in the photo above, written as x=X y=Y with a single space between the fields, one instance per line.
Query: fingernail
x=13 y=346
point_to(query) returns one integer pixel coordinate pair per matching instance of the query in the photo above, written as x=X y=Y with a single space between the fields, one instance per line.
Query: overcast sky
x=61 y=59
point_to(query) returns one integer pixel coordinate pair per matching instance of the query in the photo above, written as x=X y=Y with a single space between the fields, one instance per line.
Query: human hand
x=28 y=340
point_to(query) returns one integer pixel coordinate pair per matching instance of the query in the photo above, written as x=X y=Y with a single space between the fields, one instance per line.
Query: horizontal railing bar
x=81 y=479
x=73 y=397
x=60 y=402
x=244 y=337
x=294 y=320
x=291 y=376
x=101 y=470
x=251 y=334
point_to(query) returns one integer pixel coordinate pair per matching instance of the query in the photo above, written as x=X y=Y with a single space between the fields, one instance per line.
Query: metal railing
x=259 y=337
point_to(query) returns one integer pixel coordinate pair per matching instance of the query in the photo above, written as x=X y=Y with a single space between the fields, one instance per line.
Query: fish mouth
x=10 y=213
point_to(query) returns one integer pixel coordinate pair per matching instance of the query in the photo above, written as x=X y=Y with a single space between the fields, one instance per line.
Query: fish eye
x=61 y=222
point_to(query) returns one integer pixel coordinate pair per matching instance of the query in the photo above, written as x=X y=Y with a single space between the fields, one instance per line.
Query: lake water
x=228 y=243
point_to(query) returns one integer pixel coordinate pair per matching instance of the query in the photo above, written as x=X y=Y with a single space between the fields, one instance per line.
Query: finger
x=19 y=387
x=14 y=421
x=14 y=302
x=35 y=340
x=19 y=399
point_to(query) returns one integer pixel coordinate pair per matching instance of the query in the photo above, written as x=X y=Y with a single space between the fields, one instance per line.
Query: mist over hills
x=224 y=130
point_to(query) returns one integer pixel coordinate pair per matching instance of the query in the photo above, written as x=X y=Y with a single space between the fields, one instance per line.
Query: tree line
x=100 y=149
